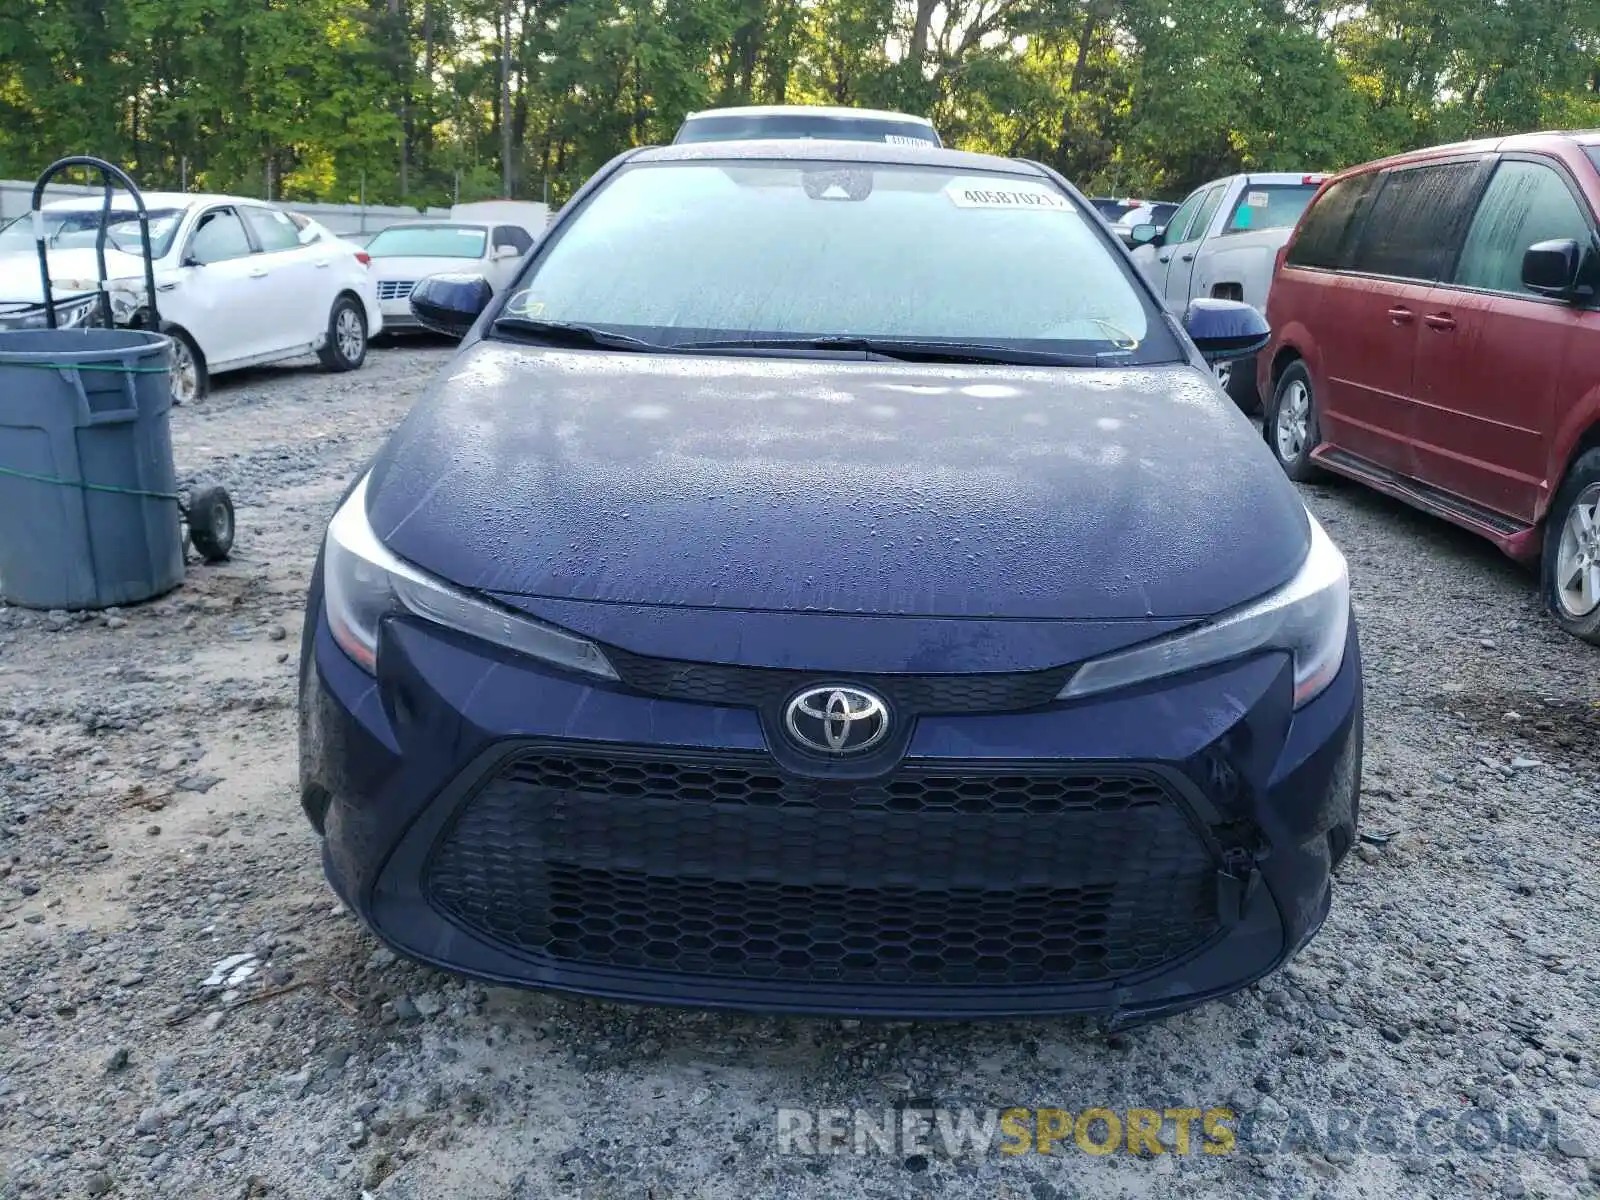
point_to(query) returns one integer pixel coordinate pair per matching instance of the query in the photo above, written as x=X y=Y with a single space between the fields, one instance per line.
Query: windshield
x=680 y=252
x=1269 y=206
x=79 y=227
x=732 y=127
x=429 y=241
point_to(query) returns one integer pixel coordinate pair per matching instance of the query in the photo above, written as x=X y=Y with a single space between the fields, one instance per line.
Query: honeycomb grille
x=758 y=687
x=729 y=869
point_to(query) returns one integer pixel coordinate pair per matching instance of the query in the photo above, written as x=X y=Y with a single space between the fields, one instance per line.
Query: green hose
x=117 y=367
x=90 y=487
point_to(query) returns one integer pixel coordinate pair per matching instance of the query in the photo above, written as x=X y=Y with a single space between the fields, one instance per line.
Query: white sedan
x=404 y=254
x=238 y=282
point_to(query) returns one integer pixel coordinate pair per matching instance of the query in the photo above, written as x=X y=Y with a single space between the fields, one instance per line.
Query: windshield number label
x=966 y=195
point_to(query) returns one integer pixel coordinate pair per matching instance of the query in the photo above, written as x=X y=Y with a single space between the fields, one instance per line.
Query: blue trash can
x=88 y=507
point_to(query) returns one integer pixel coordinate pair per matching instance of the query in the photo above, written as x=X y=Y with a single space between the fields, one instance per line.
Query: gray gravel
x=150 y=830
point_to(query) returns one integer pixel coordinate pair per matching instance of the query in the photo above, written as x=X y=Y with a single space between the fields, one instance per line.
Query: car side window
x=1202 y=218
x=1330 y=228
x=272 y=228
x=1525 y=203
x=304 y=231
x=219 y=236
x=1181 y=218
x=1417 y=220
x=510 y=235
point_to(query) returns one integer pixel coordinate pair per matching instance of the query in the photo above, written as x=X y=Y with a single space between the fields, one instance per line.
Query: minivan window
x=1416 y=220
x=1525 y=203
x=1268 y=206
x=1326 y=234
x=684 y=251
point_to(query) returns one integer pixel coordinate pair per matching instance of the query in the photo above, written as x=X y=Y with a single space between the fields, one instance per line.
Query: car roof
x=1545 y=140
x=829 y=150
x=818 y=110
x=122 y=200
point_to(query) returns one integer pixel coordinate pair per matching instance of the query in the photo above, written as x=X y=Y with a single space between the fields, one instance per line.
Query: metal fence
x=16 y=198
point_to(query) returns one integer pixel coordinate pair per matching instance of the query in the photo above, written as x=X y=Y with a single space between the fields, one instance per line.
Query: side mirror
x=1223 y=330
x=1144 y=235
x=1551 y=268
x=506 y=252
x=191 y=260
x=450 y=304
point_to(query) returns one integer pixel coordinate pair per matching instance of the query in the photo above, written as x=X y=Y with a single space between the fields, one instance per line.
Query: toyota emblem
x=837 y=720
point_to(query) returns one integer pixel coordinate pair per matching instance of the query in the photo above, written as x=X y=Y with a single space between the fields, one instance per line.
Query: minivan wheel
x=1570 y=569
x=1291 y=424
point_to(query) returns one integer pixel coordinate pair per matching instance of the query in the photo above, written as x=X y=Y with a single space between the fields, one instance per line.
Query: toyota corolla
x=827 y=579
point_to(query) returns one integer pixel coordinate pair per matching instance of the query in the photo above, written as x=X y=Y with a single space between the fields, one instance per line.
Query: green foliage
x=402 y=99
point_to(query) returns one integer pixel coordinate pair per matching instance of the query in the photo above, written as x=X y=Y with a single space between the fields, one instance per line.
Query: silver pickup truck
x=1223 y=242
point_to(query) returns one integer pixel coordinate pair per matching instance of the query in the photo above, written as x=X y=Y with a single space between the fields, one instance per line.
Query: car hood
x=408 y=267
x=71 y=270
x=827 y=486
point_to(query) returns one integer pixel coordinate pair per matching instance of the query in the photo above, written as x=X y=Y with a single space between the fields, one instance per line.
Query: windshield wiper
x=567 y=333
x=907 y=350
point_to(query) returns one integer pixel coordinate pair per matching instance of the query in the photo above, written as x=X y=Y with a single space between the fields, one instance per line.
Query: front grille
x=395 y=289
x=762 y=687
x=723 y=867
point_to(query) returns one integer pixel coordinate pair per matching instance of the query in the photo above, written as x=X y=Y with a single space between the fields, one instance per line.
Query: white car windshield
x=684 y=251
x=429 y=241
x=75 y=228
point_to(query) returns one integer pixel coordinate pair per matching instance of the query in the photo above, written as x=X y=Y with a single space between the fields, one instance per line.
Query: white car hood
x=420 y=267
x=72 y=271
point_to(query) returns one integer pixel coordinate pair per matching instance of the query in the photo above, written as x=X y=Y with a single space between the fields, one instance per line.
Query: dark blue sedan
x=828 y=580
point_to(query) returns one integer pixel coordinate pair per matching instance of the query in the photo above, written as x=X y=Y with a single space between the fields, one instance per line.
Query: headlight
x=1308 y=618
x=76 y=313
x=363 y=583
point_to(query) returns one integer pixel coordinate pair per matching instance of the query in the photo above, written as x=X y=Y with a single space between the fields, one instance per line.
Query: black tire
x=210 y=516
x=346 y=346
x=1293 y=452
x=1569 y=551
x=1241 y=385
x=191 y=380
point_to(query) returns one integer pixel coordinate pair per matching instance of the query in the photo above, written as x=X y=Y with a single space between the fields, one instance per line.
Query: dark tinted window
x=219 y=236
x=1594 y=155
x=1415 y=221
x=1269 y=206
x=733 y=127
x=1525 y=203
x=1328 y=229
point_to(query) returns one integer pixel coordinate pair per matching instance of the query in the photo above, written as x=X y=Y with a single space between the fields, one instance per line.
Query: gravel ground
x=150 y=830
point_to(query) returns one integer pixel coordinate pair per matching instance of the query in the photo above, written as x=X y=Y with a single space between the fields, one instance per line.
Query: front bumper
x=1126 y=856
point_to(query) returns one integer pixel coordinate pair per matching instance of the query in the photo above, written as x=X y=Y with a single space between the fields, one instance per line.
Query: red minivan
x=1436 y=335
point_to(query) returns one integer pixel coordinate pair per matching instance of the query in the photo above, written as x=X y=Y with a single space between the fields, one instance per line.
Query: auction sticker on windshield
x=991 y=193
